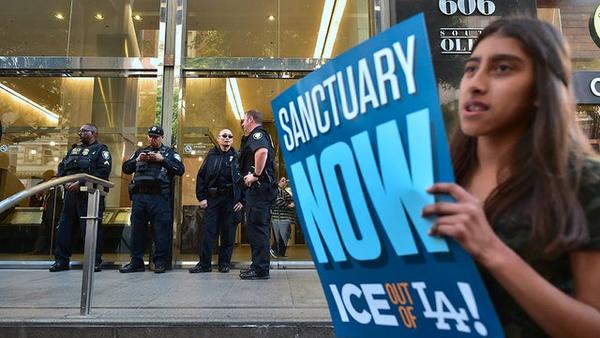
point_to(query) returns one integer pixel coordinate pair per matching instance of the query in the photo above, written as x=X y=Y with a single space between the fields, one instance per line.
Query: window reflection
x=275 y=28
x=120 y=28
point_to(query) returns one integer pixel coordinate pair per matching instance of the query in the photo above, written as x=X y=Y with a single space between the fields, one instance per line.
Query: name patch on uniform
x=257 y=136
x=75 y=151
x=85 y=152
x=105 y=155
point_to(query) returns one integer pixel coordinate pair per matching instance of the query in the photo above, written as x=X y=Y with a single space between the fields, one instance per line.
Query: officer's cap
x=156 y=131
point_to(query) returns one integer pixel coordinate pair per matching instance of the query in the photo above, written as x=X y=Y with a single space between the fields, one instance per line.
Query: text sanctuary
x=312 y=113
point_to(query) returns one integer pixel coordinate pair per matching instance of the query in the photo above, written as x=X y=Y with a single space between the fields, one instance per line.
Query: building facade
x=194 y=67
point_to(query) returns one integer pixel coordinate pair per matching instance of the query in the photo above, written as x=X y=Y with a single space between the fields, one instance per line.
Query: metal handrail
x=95 y=187
x=12 y=200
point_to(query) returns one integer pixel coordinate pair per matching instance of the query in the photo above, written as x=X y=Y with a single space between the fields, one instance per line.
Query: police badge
x=105 y=154
x=85 y=152
x=257 y=136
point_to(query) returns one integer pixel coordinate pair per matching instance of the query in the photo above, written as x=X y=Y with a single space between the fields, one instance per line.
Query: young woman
x=528 y=194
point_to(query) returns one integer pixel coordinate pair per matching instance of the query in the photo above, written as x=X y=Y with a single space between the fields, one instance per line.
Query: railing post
x=89 y=255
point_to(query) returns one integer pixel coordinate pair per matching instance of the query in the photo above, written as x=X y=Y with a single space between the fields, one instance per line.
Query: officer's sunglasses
x=226 y=136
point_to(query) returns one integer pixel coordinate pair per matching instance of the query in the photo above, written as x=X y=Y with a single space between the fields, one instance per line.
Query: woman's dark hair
x=545 y=167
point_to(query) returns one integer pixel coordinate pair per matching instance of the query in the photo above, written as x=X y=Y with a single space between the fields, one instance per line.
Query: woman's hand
x=465 y=222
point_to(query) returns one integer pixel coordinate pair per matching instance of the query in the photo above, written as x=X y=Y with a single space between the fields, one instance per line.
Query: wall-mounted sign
x=459 y=40
x=595 y=26
x=586 y=87
x=454 y=25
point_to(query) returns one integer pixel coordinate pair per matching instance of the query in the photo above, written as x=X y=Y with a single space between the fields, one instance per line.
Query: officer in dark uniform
x=257 y=164
x=218 y=188
x=89 y=157
x=151 y=194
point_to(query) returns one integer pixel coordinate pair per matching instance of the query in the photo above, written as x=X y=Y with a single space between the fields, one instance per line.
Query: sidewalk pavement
x=38 y=298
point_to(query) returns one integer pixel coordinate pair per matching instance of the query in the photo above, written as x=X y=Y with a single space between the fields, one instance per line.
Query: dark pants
x=219 y=217
x=258 y=203
x=74 y=207
x=157 y=210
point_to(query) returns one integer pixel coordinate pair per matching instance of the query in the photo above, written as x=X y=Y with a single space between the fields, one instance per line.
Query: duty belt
x=148 y=190
x=215 y=192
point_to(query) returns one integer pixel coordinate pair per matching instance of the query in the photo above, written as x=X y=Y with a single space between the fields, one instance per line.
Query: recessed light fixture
x=271 y=18
x=52 y=143
x=99 y=16
x=59 y=16
x=193 y=152
x=33 y=151
x=139 y=144
x=138 y=17
x=55 y=159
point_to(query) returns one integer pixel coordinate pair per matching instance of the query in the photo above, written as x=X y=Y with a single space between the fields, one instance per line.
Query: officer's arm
x=173 y=164
x=61 y=168
x=260 y=159
x=128 y=166
x=201 y=181
x=103 y=163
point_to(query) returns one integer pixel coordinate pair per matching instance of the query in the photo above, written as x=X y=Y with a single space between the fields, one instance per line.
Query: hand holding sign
x=465 y=222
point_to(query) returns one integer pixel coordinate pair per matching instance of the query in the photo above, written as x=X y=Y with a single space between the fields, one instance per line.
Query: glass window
x=213 y=104
x=275 y=28
x=40 y=119
x=120 y=28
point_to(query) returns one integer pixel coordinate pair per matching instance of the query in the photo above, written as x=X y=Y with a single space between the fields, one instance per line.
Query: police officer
x=151 y=194
x=257 y=164
x=219 y=192
x=89 y=157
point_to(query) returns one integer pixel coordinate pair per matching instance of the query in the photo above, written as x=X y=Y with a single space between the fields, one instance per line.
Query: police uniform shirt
x=171 y=163
x=257 y=139
x=94 y=159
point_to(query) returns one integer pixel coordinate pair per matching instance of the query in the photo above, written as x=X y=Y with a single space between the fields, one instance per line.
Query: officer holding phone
x=151 y=192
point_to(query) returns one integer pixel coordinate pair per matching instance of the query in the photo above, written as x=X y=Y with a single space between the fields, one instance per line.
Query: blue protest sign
x=362 y=138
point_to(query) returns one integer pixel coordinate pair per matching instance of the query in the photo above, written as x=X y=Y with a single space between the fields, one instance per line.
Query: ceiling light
x=200 y=158
x=53 y=117
x=271 y=18
x=193 y=152
x=33 y=151
x=325 y=19
x=55 y=159
x=140 y=143
x=59 y=16
x=377 y=8
x=333 y=10
x=99 y=16
x=234 y=98
x=138 y=17
x=52 y=143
